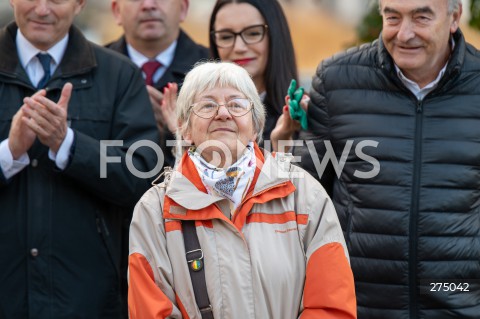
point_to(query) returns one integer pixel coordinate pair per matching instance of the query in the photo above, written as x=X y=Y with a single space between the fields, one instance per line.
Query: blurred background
x=319 y=28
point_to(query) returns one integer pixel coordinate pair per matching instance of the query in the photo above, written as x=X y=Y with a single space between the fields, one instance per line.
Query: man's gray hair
x=208 y=75
x=453 y=6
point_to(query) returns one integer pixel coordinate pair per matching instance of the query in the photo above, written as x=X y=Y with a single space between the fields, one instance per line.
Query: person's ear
x=115 y=6
x=80 y=5
x=456 y=15
x=184 y=9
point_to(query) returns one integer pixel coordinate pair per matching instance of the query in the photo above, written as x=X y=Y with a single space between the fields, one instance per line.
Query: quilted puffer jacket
x=412 y=227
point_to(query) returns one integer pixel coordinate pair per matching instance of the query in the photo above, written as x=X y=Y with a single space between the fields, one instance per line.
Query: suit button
x=34 y=162
x=34 y=252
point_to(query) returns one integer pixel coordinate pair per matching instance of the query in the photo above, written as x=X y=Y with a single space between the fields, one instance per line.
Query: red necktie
x=149 y=69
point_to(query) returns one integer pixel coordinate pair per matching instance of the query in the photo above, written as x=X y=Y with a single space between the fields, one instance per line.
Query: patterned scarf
x=232 y=182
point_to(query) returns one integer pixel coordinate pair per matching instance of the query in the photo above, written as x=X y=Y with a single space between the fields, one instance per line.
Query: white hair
x=211 y=74
x=453 y=6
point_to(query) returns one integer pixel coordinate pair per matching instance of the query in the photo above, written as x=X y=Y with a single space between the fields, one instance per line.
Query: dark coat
x=60 y=231
x=271 y=118
x=187 y=53
x=417 y=222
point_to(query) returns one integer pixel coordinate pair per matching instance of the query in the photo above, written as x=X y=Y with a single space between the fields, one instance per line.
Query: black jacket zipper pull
x=419 y=106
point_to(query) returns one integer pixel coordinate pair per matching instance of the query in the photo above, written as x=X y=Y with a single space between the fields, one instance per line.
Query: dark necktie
x=149 y=68
x=45 y=60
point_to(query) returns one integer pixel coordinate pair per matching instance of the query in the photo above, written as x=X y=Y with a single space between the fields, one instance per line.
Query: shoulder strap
x=194 y=255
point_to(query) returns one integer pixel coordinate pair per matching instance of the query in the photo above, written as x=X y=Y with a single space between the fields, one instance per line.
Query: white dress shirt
x=420 y=93
x=165 y=58
x=27 y=55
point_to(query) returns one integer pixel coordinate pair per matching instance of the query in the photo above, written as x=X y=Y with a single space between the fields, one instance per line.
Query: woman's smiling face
x=236 y=17
x=223 y=132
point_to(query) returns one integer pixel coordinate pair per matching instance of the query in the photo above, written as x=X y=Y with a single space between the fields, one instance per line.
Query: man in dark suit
x=61 y=209
x=154 y=41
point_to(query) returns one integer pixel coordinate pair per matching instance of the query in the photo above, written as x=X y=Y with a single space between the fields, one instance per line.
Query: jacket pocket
x=104 y=233
x=91 y=119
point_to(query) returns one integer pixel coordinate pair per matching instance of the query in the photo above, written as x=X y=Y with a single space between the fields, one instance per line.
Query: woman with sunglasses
x=255 y=35
x=269 y=243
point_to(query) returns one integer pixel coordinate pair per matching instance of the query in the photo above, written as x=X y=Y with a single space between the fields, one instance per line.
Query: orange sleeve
x=329 y=288
x=145 y=299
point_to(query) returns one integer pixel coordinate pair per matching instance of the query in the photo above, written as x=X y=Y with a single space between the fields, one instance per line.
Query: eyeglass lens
x=250 y=35
x=236 y=107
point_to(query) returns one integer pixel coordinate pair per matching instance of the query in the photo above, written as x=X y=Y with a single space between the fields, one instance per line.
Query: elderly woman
x=265 y=241
x=242 y=31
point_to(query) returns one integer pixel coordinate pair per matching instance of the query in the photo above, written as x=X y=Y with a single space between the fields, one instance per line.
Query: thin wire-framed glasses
x=236 y=107
x=250 y=35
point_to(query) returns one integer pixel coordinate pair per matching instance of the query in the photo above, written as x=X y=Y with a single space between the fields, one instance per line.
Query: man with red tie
x=154 y=41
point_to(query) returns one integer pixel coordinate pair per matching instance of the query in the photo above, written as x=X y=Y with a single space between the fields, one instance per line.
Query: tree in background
x=475 y=14
x=371 y=25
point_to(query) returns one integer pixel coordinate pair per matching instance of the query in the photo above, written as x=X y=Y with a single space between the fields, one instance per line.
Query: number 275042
x=446 y=286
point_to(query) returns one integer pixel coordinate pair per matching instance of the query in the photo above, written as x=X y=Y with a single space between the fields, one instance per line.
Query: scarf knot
x=232 y=182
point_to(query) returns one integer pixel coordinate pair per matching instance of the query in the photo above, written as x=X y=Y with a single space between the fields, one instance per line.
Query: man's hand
x=21 y=136
x=164 y=106
x=48 y=119
x=156 y=98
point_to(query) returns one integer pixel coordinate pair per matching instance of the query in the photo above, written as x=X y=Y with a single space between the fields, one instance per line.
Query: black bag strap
x=194 y=255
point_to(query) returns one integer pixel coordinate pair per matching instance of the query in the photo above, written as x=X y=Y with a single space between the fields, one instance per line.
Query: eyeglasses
x=208 y=109
x=249 y=35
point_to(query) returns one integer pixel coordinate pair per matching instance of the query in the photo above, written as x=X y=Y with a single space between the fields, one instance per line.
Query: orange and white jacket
x=282 y=255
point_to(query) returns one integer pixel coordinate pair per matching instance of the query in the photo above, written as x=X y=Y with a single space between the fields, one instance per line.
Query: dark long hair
x=281 y=64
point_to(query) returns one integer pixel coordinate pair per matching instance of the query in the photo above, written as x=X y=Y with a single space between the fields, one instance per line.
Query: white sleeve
x=61 y=157
x=11 y=167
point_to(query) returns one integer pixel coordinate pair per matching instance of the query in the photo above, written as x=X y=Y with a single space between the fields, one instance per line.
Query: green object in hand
x=296 y=111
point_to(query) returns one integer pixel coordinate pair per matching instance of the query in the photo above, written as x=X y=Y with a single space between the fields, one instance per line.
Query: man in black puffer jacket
x=405 y=112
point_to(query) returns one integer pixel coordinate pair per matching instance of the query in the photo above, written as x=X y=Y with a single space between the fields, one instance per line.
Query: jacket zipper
x=414 y=209
x=414 y=204
x=102 y=230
